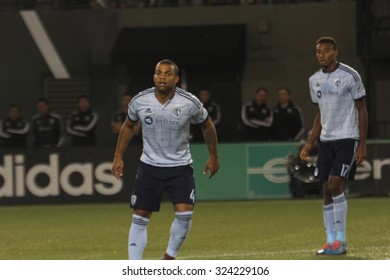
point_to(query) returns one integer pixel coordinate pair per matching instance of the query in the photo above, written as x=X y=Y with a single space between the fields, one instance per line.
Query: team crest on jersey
x=337 y=82
x=176 y=111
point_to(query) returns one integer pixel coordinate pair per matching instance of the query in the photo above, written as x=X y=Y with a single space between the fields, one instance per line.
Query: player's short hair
x=170 y=62
x=328 y=40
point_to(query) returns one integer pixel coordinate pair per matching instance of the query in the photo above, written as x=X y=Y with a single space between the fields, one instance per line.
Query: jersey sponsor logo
x=148 y=120
x=327 y=93
x=167 y=122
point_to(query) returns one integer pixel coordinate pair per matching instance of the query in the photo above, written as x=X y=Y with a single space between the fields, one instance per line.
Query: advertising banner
x=248 y=171
x=64 y=175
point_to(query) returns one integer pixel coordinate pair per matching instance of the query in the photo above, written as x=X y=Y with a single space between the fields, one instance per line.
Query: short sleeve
x=132 y=111
x=200 y=115
x=313 y=94
x=357 y=88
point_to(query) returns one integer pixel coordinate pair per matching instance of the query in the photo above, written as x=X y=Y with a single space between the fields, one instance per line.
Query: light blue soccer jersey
x=166 y=127
x=335 y=93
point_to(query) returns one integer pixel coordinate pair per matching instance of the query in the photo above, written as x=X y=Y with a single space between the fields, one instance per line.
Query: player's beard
x=165 y=89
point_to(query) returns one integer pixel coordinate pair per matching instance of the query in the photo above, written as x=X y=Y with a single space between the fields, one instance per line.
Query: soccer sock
x=340 y=217
x=137 y=237
x=329 y=223
x=179 y=230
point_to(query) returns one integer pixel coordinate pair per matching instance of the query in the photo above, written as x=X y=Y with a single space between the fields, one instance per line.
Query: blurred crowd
x=115 y=4
x=258 y=122
x=119 y=4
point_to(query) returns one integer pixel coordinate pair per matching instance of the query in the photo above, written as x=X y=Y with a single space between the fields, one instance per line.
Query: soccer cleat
x=167 y=257
x=338 y=248
x=325 y=249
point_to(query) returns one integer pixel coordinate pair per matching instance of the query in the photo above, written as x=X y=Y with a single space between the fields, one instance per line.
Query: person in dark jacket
x=212 y=107
x=14 y=130
x=46 y=126
x=256 y=117
x=82 y=123
x=288 y=121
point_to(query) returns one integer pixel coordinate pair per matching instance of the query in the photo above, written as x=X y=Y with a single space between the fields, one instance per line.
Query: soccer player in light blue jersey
x=341 y=125
x=165 y=112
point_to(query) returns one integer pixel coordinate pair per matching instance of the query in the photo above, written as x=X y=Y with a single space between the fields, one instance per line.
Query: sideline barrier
x=248 y=171
x=255 y=171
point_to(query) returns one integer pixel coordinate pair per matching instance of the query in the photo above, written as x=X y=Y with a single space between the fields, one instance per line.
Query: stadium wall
x=248 y=171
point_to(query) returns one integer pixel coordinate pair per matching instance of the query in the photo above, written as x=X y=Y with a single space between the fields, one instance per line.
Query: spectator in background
x=256 y=117
x=14 y=130
x=120 y=116
x=205 y=96
x=82 y=123
x=288 y=120
x=46 y=126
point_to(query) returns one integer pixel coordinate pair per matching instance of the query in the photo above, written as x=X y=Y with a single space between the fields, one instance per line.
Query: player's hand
x=117 y=168
x=360 y=154
x=212 y=166
x=304 y=154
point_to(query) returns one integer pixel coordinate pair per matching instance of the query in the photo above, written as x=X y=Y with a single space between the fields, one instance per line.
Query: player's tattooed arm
x=210 y=137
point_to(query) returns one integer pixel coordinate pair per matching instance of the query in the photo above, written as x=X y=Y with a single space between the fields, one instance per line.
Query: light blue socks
x=137 y=237
x=179 y=231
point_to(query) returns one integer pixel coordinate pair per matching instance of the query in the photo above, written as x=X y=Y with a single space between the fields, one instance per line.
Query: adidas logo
x=133 y=245
x=148 y=111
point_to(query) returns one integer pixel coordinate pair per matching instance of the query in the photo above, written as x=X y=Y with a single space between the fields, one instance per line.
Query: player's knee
x=335 y=185
x=185 y=216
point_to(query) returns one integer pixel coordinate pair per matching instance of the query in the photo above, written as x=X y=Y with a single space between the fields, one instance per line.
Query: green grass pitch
x=249 y=230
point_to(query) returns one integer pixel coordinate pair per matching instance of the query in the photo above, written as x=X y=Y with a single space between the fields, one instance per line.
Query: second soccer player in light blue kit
x=341 y=126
